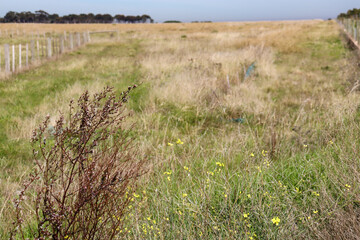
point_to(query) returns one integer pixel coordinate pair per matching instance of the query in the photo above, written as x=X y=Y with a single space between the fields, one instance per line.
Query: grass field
x=274 y=155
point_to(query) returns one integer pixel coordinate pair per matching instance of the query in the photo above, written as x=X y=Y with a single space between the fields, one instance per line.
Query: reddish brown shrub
x=85 y=168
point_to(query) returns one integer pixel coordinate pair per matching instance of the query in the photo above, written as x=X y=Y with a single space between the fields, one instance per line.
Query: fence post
x=38 y=49
x=13 y=58
x=65 y=35
x=89 y=39
x=7 y=57
x=49 y=53
x=43 y=48
x=61 y=45
x=71 y=41
x=84 y=37
x=78 y=39
x=27 y=55
x=53 y=50
x=20 y=56
x=32 y=46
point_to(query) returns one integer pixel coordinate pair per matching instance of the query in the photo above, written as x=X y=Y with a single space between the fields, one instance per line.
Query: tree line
x=41 y=16
x=352 y=13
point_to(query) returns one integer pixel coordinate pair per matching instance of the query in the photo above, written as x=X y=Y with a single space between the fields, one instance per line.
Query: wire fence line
x=351 y=28
x=15 y=58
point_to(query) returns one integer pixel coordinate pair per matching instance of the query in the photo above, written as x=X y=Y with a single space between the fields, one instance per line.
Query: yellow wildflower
x=275 y=220
x=184 y=195
x=179 y=141
x=246 y=215
x=170 y=144
x=263 y=152
x=220 y=164
x=252 y=155
x=315 y=193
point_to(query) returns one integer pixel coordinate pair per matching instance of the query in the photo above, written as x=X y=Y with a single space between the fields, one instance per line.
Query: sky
x=191 y=10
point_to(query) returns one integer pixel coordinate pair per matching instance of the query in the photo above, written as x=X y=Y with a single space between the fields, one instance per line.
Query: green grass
x=296 y=161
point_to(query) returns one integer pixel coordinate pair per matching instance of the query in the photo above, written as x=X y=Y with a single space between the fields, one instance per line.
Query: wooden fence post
x=71 y=41
x=43 y=48
x=38 y=49
x=49 y=53
x=27 y=55
x=13 y=58
x=61 y=45
x=84 y=37
x=53 y=52
x=20 y=56
x=89 y=39
x=65 y=35
x=32 y=46
x=78 y=39
x=7 y=57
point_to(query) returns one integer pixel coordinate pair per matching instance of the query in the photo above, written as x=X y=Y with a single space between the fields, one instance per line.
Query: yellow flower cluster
x=178 y=142
x=220 y=164
x=276 y=220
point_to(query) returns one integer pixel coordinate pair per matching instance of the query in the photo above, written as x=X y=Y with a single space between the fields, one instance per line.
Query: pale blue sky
x=191 y=10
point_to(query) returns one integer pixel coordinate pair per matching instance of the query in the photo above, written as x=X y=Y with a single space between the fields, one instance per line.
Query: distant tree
x=11 y=17
x=41 y=16
x=172 y=21
x=120 y=18
x=352 y=13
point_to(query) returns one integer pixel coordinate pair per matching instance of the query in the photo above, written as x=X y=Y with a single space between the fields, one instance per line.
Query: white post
x=7 y=57
x=38 y=49
x=20 y=56
x=61 y=45
x=27 y=55
x=32 y=46
x=78 y=39
x=13 y=58
x=85 y=38
x=49 y=53
x=71 y=41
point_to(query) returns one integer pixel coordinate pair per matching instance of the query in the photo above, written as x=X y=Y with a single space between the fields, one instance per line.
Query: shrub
x=86 y=169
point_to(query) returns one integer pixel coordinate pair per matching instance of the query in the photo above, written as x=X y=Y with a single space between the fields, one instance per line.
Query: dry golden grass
x=194 y=78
